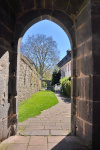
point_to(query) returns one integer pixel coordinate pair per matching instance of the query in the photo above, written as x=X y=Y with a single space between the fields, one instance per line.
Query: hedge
x=66 y=86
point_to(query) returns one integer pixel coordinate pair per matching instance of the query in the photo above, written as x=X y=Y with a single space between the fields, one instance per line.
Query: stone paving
x=42 y=143
x=53 y=121
x=46 y=132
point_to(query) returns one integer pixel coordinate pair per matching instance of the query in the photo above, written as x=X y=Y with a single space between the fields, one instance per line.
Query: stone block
x=20 y=139
x=78 y=66
x=96 y=33
x=73 y=124
x=58 y=5
x=73 y=100
x=17 y=146
x=78 y=87
x=95 y=25
x=86 y=65
x=85 y=109
x=36 y=132
x=73 y=108
x=96 y=62
x=96 y=137
x=18 y=32
x=40 y=4
x=84 y=49
x=64 y=19
x=73 y=87
x=73 y=53
x=37 y=147
x=84 y=131
x=7 y=17
x=73 y=67
x=88 y=134
x=5 y=46
x=96 y=88
x=46 y=14
x=96 y=43
x=28 y=5
x=84 y=15
x=29 y=18
x=96 y=109
x=38 y=140
x=82 y=87
x=88 y=91
x=59 y=132
x=72 y=37
x=56 y=139
x=84 y=33
x=95 y=7
x=48 y=4
x=79 y=127
x=6 y=34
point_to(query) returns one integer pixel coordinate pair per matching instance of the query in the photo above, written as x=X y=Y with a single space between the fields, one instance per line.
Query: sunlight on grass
x=37 y=103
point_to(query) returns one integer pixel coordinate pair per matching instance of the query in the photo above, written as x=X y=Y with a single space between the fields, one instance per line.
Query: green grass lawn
x=37 y=103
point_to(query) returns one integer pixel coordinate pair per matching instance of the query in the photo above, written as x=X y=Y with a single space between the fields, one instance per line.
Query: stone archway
x=81 y=19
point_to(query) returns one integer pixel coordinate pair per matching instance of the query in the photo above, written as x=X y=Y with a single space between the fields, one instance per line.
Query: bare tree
x=41 y=50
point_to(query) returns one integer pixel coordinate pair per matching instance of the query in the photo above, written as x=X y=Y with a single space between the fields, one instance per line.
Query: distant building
x=65 y=65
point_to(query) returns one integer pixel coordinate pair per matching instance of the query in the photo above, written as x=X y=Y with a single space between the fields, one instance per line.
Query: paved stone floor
x=48 y=131
x=42 y=143
x=53 y=121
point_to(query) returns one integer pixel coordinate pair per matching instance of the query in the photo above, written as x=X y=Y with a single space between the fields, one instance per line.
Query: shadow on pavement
x=70 y=143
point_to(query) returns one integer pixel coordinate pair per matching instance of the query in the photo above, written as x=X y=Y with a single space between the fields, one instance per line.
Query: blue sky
x=50 y=28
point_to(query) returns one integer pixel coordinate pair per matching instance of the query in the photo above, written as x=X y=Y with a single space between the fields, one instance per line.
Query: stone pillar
x=87 y=82
x=7 y=72
x=95 y=19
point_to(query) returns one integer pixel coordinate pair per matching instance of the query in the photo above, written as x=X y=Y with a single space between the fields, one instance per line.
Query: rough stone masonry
x=80 y=19
x=29 y=79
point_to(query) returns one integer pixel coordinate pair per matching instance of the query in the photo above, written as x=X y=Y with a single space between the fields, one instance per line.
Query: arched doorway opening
x=46 y=17
x=80 y=18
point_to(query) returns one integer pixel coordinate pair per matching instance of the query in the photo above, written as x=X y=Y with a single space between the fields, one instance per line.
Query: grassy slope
x=37 y=103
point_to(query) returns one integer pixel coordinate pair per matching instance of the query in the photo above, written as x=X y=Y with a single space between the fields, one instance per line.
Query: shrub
x=66 y=86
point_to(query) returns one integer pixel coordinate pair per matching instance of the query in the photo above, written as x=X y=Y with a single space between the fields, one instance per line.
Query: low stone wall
x=29 y=80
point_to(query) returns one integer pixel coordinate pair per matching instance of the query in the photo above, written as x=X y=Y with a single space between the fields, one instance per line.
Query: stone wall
x=29 y=80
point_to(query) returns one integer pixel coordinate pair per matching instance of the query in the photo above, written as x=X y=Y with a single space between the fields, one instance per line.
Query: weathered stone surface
x=96 y=109
x=26 y=18
x=96 y=88
x=95 y=8
x=84 y=109
x=84 y=49
x=73 y=67
x=82 y=22
x=17 y=146
x=96 y=136
x=6 y=34
x=29 y=80
x=82 y=33
x=73 y=90
x=96 y=69
x=84 y=130
x=84 y=15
